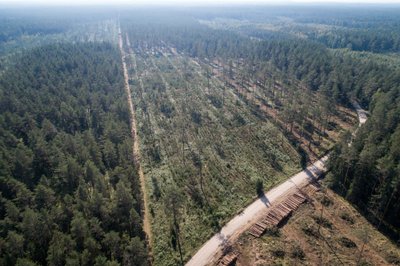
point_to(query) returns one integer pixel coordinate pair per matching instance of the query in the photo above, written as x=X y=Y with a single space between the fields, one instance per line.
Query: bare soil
x=344 y=237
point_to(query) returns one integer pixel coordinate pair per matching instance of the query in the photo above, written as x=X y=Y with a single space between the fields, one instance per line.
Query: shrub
x=278 y=253
x=196 y=117
x=326 y=201
x=348 y=243
x=345 y=216
x=393 y=259
x=323 y=221
x=259 y=187
x=167 y=109
x=215 y=101
x=297 y=252
x=310 y=231
x=273 y=231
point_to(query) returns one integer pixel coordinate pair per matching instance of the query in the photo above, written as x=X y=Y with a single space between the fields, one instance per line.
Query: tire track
x=135 y=147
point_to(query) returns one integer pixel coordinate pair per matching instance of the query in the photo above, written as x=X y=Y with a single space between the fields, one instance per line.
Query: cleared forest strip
x=135 y=148
x=251 y=214
x=228 y=149
x=250 y=92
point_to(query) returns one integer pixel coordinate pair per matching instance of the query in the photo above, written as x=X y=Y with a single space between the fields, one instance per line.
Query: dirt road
x=253 y=212
x=135 y=147
x=361 y=113
x=241 y=222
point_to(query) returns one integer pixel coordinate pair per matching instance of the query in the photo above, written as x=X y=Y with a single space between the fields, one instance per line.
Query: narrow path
x=135 y=147
x=241 y=222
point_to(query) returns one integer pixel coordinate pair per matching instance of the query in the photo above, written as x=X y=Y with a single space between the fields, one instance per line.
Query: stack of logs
x=277 y=214
x=229 y=259
x=312 y=188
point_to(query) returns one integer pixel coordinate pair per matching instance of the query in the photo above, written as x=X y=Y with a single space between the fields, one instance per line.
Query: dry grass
x=332 y=233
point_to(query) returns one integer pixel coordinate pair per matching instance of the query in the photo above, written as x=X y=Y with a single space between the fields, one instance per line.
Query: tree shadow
x=223 y=239
x=304 y=158
x=264 y=200
x=313 y=173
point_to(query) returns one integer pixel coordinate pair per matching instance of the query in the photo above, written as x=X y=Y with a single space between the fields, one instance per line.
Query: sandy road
x=135 y=147
x=361 y=113
x=241 y=222
x=253 y=212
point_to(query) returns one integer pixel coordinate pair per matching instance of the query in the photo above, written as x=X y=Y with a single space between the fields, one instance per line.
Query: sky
x=183 y=2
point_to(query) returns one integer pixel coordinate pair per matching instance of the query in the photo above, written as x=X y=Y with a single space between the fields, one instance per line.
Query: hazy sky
x=184 y=2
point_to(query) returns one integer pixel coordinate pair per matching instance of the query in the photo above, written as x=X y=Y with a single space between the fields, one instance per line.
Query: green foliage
x=69 y=189
x=348 y=243
x=69 y=192
x=212 y=149
x=259 y=187
x=273 y=231
x=323 y=221
x=310 y=230
x=345 y=216
x=297 y=252
x=367 y=173
x=278 y=253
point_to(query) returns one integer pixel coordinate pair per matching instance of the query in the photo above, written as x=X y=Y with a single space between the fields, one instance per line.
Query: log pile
x=277 y=214
x=312 y=188
x=229 y=259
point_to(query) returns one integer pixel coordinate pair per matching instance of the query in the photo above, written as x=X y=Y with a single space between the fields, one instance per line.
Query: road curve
x=241 y=222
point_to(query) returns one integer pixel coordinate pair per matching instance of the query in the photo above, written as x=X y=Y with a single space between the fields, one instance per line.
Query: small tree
x=173 y=203
x=259 y=187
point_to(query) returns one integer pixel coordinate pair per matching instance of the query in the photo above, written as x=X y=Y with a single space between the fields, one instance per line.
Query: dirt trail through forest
x=135 y=147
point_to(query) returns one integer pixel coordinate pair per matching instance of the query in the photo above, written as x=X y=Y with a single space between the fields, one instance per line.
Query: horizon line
x=195 y=3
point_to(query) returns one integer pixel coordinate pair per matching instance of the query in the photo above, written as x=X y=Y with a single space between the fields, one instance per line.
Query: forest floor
x=135 y=148
x=263 y=99
x=326 y=230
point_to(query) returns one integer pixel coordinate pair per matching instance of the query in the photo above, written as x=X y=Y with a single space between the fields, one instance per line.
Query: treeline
x=368 y=172
x=338 y=76
x=32 y=22
x=69 y=192
x=368 y=28
x=12 y=30
x=373 y=40
x=351 y=16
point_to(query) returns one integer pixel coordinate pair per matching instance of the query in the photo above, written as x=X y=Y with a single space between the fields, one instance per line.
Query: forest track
x=136 y=147
x=209 y=252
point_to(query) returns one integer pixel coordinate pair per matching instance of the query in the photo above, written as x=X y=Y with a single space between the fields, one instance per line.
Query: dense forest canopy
x=367 y=28
x=69 y=192
x=16 y=23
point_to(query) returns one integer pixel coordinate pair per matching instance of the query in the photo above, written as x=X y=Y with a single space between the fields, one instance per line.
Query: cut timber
x=229 y=259
x=277 y=214
x=312 y=188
